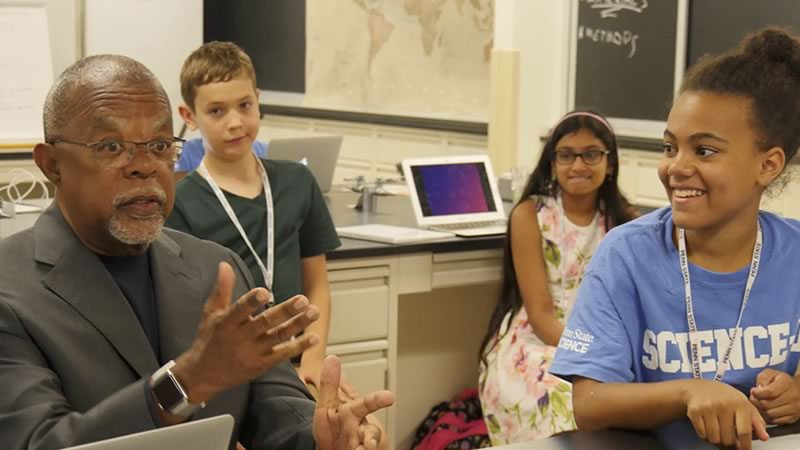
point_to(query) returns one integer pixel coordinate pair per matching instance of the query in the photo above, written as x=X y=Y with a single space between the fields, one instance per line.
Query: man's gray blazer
x=74 y=357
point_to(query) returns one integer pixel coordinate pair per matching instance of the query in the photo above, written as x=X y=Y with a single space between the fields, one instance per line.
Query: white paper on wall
x=26 y=72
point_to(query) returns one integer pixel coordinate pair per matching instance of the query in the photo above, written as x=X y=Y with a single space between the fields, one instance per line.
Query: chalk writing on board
x=609 y=8
x=619 y=38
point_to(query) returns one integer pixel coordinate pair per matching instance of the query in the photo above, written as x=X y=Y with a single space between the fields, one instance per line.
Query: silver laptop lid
x=206 y=434
x=319 y=153
x=452 y=189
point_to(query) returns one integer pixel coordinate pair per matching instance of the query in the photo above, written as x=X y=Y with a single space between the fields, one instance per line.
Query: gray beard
x=135 y=232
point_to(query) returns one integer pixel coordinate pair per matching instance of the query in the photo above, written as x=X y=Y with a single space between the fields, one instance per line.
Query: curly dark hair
x=765 y=68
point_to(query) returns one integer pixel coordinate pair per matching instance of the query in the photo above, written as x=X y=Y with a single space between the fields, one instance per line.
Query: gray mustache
x=127 y=197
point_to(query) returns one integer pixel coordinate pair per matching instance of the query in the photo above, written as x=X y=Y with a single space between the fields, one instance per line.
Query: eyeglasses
x=590 y=157
x=118 y=153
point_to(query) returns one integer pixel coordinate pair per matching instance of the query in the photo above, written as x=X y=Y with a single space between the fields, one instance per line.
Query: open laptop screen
x=456 y=188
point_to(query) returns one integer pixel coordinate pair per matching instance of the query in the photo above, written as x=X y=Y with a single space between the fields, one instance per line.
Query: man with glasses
x=111 y=325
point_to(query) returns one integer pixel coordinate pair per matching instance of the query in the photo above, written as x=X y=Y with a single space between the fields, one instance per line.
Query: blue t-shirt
x=193 y=152
x=629 y=322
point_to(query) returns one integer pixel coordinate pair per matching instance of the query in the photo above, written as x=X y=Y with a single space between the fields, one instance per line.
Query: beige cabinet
x=411 y=323
x=360 y=300
x=360 y=332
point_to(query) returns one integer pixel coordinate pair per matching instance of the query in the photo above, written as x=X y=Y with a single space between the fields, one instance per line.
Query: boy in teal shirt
x=271 y=213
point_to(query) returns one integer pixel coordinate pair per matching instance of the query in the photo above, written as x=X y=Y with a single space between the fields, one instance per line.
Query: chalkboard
x=272 y=32
x=718 y=25
x=625 y=57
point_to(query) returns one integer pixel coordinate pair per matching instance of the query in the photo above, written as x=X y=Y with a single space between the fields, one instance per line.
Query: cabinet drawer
x=359 y=310
x=465 y=268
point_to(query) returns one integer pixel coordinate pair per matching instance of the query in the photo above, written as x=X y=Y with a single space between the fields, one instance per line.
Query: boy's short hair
x=214 y=62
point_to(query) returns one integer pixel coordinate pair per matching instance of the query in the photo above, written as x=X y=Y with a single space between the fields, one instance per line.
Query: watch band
x=169 y=393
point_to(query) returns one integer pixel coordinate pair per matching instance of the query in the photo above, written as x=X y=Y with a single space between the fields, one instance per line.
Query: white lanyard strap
x=722 y=364
x=267 y=272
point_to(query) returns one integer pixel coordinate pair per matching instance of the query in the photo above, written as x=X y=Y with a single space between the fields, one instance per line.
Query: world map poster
x=401 y=57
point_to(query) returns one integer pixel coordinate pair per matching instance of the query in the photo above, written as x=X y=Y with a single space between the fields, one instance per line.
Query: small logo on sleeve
x=575 y=341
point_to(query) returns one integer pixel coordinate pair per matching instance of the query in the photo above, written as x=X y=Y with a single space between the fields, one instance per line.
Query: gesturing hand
x=777 y=397
x=233 y=346
x=722 y=415
x=347 y=425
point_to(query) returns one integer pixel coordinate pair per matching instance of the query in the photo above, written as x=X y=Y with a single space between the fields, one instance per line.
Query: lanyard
x=722 y=364
x=267 y=272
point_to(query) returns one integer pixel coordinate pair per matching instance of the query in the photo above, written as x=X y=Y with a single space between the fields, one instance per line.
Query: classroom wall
x=157 y=33
x=63 y=25
x=64 y=28
x=538 y=31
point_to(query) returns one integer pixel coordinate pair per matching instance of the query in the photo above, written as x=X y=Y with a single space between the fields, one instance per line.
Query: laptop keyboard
x=470 y=225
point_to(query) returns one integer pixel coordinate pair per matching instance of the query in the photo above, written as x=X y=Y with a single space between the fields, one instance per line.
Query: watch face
x=167 y=393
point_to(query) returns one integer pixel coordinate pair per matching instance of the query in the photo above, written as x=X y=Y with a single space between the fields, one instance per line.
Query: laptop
x=206 y=434
x=318 y=153
x=390 y=234
x=455 y=194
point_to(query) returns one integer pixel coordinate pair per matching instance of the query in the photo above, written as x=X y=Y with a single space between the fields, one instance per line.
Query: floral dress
x=521 y=400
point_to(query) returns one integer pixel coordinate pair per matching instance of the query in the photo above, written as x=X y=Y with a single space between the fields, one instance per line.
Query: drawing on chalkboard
x=610 y=8
x=627 y=58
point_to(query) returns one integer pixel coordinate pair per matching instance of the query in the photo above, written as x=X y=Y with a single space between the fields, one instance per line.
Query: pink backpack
x=454 y=425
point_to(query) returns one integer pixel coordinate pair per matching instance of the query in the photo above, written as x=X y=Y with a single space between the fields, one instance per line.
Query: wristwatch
x=169 y=393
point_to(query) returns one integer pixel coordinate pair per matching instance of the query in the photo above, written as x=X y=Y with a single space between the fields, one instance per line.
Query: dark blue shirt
x=132 y=275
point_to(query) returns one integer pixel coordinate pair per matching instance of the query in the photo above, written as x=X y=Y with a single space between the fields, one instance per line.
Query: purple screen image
x=446 y=189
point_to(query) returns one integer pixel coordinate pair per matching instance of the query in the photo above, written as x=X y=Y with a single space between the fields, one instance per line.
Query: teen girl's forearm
x=627 y=405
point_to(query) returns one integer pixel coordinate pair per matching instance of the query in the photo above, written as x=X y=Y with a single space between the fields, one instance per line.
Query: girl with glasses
x=568 y=204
